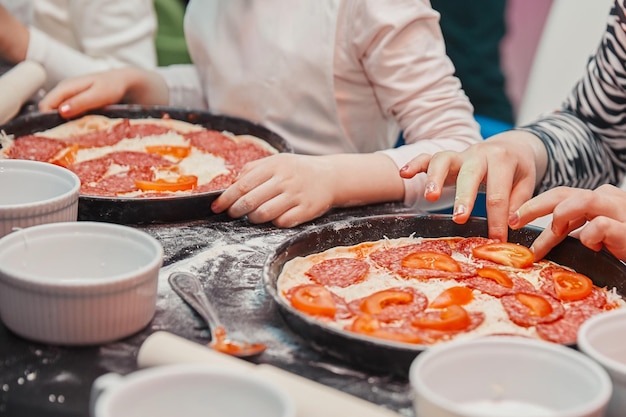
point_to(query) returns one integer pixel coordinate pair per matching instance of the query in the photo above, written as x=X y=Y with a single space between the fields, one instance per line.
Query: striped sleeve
x=586 y=139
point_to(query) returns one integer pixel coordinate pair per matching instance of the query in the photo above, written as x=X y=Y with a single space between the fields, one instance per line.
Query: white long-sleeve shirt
x=388 y=72
x=75 y=37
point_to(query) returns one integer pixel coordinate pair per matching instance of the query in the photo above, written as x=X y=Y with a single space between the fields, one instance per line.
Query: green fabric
x=170 y=38
x=472 y=31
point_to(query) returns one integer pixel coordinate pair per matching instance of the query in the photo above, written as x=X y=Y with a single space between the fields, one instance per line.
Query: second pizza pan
x=390 y=357
x=150 y=210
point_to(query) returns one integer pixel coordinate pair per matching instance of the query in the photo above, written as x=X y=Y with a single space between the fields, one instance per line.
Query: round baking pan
x=150 y=210
x=391 y=357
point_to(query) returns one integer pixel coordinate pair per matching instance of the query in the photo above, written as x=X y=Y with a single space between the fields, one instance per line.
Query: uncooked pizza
x=425 y=291
x=139 y=158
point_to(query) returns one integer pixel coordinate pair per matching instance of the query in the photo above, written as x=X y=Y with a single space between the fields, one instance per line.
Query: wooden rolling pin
x=18 y=85
x=312 y=399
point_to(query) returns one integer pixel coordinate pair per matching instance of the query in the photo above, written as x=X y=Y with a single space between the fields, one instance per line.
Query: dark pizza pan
x=391 y=357
x=149 y=210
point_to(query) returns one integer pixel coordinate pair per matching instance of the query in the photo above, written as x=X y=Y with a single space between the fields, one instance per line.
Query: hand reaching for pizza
x=508 y=164
x=600 y=211
x=289 y=189
x=74 y=96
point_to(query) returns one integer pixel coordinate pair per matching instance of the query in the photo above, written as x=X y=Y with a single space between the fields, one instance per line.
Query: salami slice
x=139 y=159
x=491 y=287
x=597 y=298
x=91 y=171
x=339 y=272
x=476 y=318
x=387 y=307
x=105 y=137
x=36 y=148
x=212 y=141
x=466 y=245
x=245 y=152
x=123 y=182
x=565 y=330
x=525 y=315
x=392 y=260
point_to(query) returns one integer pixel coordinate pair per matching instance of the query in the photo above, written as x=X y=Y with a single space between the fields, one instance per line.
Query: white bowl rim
x=605 y=380
x=170 y=370
x=10 y=275
x=587 y=347
x=38 y=166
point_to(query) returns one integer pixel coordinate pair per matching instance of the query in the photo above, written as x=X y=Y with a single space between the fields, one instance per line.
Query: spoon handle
x=189 y=288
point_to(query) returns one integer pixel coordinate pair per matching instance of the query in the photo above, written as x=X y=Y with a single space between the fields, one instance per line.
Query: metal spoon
x=188 y=287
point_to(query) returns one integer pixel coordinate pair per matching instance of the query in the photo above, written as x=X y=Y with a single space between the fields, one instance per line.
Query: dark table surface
x=41 y=380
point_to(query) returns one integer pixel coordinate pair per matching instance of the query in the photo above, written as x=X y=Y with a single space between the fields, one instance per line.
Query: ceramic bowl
x=509 y=376
x=190 y=390
x=34 y=193
x=603 y=338
x=78 y=283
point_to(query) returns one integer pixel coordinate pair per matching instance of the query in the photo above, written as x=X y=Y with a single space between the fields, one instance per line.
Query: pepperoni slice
x=123 y=182
x=146 y=129
x=597 y=298
x=565 y=330
x=466 y=245
x=218 y=183
x=476 y=318
x=211 y=141
x=531 y=308
x=245 y=152
x=392 y=259
x=370 y=326
x=492 y=287
x=339 y=272
x=398 y=303
x=92 y=170
x=36 y=148
x=108 y=137
x=139 y=159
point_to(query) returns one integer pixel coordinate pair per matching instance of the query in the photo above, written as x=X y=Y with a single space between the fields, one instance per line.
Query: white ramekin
x=33 y=192
x=78 y=283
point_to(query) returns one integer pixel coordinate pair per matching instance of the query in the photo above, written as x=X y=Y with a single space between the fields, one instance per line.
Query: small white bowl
x=190 y=390
x=497 y=376
x=78 y=283
x=603 y=338
x=34 y=193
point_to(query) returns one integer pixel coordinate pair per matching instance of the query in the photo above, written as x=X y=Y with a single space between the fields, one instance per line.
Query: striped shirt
x=586 y=138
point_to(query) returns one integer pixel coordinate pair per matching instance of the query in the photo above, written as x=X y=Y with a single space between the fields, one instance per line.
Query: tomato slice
x=431 y=260
x=496 y=275
x=451 y=318
x=314 y=299
x=453 y=295
x=570 y=285
x=179 y=152
x=368 y=325
x=67 y=157
x=505 y=253
x=375 y=303
x=182 y=183
x=537 y=305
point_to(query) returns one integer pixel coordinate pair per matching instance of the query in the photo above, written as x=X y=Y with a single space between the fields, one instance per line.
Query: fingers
x=470 y=176
x=434 y=182
x=605 y=231
x=547 y=239
x=597 y=210
x=540 y=206
x=245 y=194
x=415 y=166
x=75 y=96
x=64 y=91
